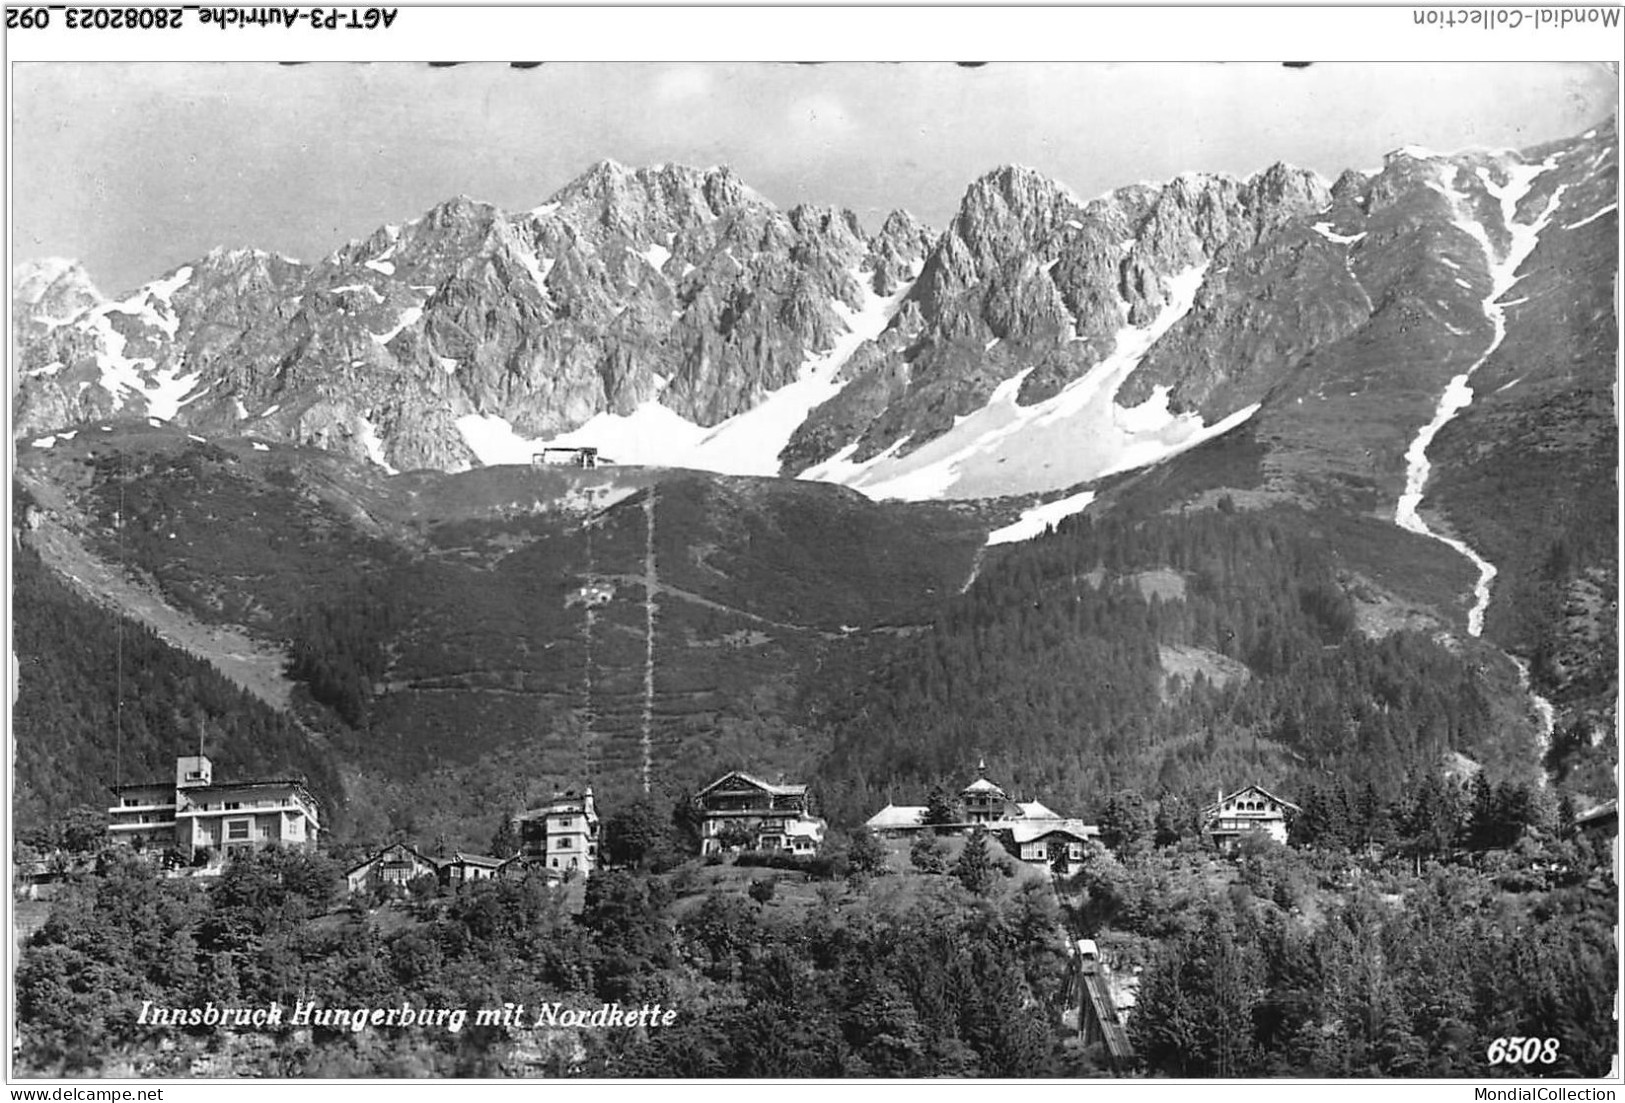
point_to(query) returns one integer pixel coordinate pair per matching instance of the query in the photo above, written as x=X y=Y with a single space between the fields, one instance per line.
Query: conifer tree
x=1125 y=824
x=505 y=841
x=866 y=856
x=973 y=869
x=928 y=854
x=939 y=808
x=1482 y=829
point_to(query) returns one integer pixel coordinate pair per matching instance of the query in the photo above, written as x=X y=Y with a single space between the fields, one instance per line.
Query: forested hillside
x=71 y=736
x=947 y=958
x=1166 y=652
x=433 y=628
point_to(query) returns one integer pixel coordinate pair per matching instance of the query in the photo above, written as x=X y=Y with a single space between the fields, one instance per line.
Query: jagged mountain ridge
x=626 y=286
x=1336 y=316
x=676 y=309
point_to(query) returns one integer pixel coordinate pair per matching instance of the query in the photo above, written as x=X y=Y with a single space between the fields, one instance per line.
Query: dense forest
x=947 y=957
x=1055 y=666
x=857 y=985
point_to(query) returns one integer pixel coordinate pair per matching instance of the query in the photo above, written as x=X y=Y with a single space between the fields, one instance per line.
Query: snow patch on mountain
x=1587 y=221
x=840 y=468
x=408 y=317
x=750 y=443
x=1036 y=521
x=122 y=377
x=163 y=290
x=657 y=255
x=537 y=267
x=651 y=435
x=368 y=434
x=1458 y=394
x=746 y=444
x=377 y=296
x=493 y=441
x=1077 y=435
x=1324 y=229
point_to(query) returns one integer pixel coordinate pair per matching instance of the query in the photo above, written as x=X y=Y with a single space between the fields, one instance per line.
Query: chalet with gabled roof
x=740 y=809
x=1029 y=829
x=1230 y=818
x=462 y=869
x=1041 y=841
x=396 y=865
x=984 y=802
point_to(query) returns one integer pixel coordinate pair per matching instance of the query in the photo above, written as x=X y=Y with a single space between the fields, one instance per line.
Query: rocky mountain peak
x=901 y=225
x=458 y=213
x=1285 y=190
x=646 y=203
x=240 y=271
x=899 y=249
x=837 y=227
x=1014 y=192
x=723 y=190
x=1350 y=186
x=602 y=180
x=53 y=289
x=1403 y=171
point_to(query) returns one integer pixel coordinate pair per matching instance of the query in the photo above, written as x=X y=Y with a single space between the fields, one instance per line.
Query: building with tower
x=562 y=835
x=197 y=815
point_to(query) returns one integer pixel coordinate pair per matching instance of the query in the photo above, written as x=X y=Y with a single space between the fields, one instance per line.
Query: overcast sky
x=137 y=168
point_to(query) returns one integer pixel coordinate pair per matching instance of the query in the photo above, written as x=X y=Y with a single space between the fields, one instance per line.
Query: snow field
x=1077 y=435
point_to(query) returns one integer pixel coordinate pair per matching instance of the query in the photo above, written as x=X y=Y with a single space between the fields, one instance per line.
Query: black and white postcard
x=807 y=544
